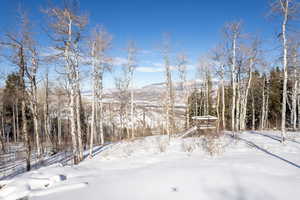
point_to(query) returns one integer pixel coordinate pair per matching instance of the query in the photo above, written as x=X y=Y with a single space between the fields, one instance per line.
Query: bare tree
x=59 y=94
x=169 y=101
x=46 y=109
x=218 y=55
x=18 y=45
x=182 y=70
x=251 y=59
x=131 y=66
x=124 y=84
x=99 y=43
x=293 y=62
x=204 y=71
x=233 y=32
x=2 y=134
x=263 y=111
x=67 y=27
x=31 y=72
x=287 y=10
x=253 y=109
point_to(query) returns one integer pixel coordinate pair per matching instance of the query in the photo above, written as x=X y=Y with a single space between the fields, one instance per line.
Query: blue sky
x=194 y=25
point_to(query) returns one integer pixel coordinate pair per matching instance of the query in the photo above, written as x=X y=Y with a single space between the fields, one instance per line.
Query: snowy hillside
x=255 y=166
x=151 y=94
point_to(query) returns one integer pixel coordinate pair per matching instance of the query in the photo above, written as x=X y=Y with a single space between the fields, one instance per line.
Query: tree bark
x=218 y=112
x=233 y=75
x=262 y=123
x=285 y=8
x=245 y=102
x=78 y=120
x=73 y=124
x=101 y=120
x=132 y=109
x=14 y=124
x=17 y=120
x=238 y=106
x=253 y=112
x=93 y=119
x=223 y=98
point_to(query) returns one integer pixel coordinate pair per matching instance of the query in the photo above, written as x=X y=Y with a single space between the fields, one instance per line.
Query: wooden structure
x=205 y=123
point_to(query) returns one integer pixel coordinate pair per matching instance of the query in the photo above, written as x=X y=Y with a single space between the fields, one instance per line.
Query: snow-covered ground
x=256 y=166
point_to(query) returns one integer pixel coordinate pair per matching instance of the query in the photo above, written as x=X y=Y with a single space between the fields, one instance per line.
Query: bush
x=162 y=144
x=188 y=146
x=212 y=145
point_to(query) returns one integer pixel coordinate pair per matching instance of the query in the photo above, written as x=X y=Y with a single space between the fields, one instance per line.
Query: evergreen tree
x=275 y=97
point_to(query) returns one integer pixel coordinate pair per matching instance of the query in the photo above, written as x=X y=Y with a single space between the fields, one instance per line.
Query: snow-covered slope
x=256 y=166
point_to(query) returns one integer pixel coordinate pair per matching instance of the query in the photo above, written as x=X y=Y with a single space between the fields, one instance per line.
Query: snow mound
x=38 y=183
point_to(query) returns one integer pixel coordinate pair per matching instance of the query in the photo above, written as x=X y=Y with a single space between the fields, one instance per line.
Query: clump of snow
x=38 y=183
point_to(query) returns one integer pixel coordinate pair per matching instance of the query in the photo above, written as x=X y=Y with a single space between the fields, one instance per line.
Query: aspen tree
x=287 y=10
x=218 y=55
x=66 y=27
x=19 y=46
x=99 y=43
x=169 y=96
x=233 y=32
x=182 y=70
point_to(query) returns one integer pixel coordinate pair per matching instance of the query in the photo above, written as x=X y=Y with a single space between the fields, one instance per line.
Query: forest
x=131 y=99
x=47 y=106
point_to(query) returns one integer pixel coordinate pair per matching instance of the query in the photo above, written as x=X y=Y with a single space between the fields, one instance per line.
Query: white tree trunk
x=267 y=108
x=17 y=120
x=169 y=101
x=37 y=138
x=132 y=109
x=14 y=123
x=101 y=120
x=35 y=120
x=93 y=119
x=59 y=127
x=223 y=98
x=25 y=135
x=233 y=75
x=78 y=120
x=207 y=95
x=262 y=123
x=285 y=73
x=294 y=100
x=238 y=106
x=73 y=124
x=245 y=100
x=253 y=112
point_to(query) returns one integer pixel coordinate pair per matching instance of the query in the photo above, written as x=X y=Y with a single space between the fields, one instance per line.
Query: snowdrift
x=253 y=166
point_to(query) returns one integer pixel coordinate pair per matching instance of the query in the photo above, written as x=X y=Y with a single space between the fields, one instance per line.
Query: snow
x=254 y=166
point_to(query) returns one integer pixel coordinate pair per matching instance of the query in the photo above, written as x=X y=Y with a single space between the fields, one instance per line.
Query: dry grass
x=162 y=144
x=212 y=145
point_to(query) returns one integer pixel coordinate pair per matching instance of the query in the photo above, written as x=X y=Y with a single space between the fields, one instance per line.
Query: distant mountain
x=152 y=93
x=178 y=85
